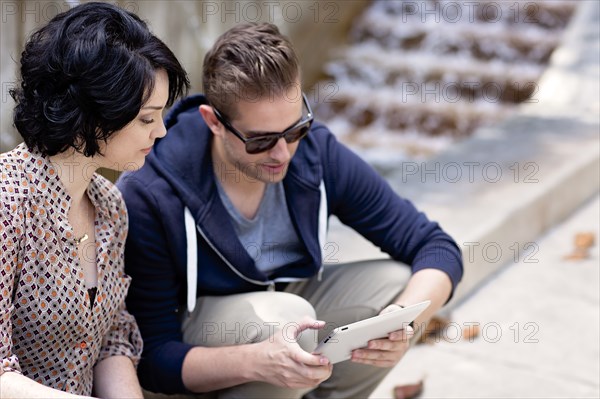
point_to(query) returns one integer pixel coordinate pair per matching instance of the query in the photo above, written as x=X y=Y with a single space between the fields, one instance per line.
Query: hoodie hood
x=182 y=157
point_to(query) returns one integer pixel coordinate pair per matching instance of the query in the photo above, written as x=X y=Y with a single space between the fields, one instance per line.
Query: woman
x=94 y=83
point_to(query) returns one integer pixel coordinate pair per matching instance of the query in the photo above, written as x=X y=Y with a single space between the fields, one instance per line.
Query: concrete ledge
x=496 y=192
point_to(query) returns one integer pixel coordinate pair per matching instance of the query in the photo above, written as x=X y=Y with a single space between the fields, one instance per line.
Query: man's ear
x=210 y=119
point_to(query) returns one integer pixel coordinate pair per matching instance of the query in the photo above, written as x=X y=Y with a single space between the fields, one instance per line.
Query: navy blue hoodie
x=324 y=178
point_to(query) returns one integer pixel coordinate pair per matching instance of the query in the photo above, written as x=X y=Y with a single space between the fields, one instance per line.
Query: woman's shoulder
x=15 y=173
x=14 y=188
x=12 y=163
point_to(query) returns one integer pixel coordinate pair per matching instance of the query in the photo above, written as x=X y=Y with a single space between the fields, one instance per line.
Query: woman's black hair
x=86 y=75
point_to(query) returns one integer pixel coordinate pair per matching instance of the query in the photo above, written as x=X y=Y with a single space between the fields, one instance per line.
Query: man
x=227 y=239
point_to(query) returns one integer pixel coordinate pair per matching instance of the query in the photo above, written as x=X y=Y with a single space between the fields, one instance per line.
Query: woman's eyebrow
x=156 y=107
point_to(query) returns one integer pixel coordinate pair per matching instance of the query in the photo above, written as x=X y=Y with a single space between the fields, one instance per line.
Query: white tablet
x=340 y=343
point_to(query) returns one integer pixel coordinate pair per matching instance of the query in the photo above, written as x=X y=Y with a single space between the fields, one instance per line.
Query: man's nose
x=280 y=152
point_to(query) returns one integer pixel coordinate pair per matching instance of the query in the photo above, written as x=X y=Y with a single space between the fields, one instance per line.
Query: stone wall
x=189 y=28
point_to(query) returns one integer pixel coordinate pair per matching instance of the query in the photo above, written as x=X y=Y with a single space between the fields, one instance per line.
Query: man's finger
x=309 y=323
x=309 y=359
x=400 y=335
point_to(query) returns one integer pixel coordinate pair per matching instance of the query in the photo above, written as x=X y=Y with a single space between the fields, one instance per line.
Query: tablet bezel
x=340 y=343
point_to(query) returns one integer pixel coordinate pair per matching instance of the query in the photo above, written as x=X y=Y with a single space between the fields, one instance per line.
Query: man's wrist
x=252 y=369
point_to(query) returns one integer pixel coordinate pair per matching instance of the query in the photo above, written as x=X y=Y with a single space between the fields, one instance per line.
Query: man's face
x=254 y=118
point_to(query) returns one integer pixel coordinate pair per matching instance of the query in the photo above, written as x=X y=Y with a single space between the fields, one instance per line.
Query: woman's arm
x=115 y=377
x=17 y=386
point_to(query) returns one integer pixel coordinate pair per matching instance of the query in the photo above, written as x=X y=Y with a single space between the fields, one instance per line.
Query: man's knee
x=286 y=312
x=281 y=307
x=261 y=314
x=243 y=318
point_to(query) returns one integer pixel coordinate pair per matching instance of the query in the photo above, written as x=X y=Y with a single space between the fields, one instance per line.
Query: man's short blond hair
x=247 y=63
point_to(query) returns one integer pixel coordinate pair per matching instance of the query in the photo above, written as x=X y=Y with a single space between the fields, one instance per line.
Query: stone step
x=520 y=14
x=407 y=81
x=423 y=72
x=499 y=190
x=386 y=127
x=523 y=42
x=465 y=42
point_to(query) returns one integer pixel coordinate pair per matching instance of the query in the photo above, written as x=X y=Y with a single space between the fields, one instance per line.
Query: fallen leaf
x=408 y=391
x=577 y=255
x=471 y=331
x=434 y=330
x=583 y=242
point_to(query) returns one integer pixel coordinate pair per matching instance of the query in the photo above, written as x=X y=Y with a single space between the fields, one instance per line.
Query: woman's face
x=127 y=148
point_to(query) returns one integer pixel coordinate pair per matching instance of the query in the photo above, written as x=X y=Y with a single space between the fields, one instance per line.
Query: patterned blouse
x=47 y=330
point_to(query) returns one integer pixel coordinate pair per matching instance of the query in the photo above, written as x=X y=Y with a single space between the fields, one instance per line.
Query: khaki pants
x=346 y=293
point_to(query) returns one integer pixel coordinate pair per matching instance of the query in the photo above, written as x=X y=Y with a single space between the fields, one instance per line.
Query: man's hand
x=385 y=352
x=283 y=363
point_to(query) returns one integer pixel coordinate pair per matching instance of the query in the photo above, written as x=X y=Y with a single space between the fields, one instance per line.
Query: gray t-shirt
x=269 y=238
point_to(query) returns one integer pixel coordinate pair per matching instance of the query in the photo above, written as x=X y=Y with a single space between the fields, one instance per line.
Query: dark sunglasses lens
x=260 y=145
x=298 y=133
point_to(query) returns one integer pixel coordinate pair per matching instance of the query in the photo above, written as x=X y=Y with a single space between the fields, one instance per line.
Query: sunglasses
x=264 y=142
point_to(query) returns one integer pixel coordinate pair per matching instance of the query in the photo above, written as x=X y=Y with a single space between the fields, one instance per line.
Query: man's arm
x=364 y=201
x=277 y=361
x=425 y=284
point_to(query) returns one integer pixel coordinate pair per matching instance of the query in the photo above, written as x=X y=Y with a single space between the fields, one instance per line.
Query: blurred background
x=189 y=28
x=394 y=79
x=486 y=115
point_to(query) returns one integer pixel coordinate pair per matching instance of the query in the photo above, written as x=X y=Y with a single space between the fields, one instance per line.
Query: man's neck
x=244 y=192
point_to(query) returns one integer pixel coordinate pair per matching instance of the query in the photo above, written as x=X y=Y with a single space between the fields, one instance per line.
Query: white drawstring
x=192 y=259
